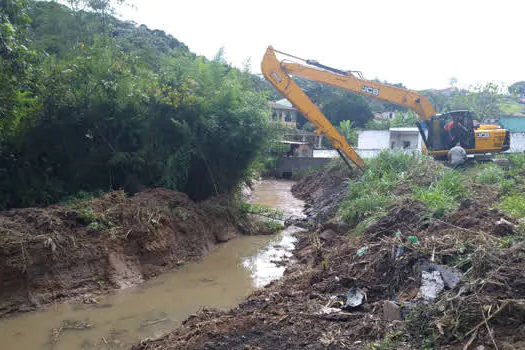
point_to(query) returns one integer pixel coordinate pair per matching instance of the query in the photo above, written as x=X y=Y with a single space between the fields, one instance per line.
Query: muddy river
x=222 y=280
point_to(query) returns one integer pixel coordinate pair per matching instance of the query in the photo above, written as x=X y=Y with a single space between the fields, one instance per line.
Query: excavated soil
x=323 y=191
x=484 y=310
x=75 y=250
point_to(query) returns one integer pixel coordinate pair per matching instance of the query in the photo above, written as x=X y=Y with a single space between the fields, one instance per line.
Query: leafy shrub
x=490 y=174
x=514 y=204
x=371 y=194
x=517 y=161
x=437 y=199
x=443 y=195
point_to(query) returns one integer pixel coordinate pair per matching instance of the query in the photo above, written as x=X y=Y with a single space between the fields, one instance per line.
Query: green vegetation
x=370 y=196
x=97 y=104
x=444 y=194
x=514 y=204
x=490 y=174
x=262 y=210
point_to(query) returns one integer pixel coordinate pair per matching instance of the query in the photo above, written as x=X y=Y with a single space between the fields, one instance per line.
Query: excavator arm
x=279 y=75
x=273 y=71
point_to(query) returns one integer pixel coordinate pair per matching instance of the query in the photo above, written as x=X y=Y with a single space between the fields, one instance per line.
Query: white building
x=371 y=142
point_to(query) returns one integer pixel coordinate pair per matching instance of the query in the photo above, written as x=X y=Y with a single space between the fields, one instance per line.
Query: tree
x=349 y=132
x=110 y=116
x=16 y=65
x=484 y=100
x=517 y=88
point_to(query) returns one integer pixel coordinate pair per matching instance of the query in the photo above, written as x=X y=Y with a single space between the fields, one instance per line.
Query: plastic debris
x=450 y=275
x=361 y=251
x=354 y=297
x=413 y=239
x=431 y=285
x=399 y=252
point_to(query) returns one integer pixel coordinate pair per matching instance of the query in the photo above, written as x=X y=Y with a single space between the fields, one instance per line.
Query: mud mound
x=323 y=191
x=484 y=305
x=111 y=242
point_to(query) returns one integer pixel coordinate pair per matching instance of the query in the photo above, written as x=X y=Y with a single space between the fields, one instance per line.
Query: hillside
x=56 y=30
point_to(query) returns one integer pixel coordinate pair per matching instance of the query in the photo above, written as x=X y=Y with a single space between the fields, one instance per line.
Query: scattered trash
x=431 y=285
x=397 y=234
x=328 y=310
x=450 y=275
x=399 y=252
x=354 y=297
x=413 y=239
x=361 y=251
x=275 y=297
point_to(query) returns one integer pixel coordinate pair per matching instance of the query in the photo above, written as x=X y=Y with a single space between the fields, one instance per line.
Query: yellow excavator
x=442 y=132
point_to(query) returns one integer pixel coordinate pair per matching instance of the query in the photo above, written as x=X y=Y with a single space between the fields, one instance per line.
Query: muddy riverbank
x=89 y=247
x=222 y=279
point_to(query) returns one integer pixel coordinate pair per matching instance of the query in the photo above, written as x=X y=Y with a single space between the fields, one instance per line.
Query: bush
x=490 y=174
x=371 y=194
x=443 y=195
x=437 y=199
x=514 y=204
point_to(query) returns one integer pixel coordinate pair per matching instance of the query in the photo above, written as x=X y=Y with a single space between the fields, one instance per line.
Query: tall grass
x=444 y=194
x=372 y=193
x=490 y=174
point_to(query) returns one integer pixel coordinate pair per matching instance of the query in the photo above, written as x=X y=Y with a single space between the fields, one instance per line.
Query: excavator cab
x=447 y=129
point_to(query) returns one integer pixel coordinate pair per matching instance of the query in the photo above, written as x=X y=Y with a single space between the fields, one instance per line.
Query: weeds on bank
x=372 y=194
x=262 y=210
x=81 y=205
x=490 y=174
x=443 y=195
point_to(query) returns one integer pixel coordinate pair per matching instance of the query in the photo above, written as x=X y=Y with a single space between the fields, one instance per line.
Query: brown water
x=222 y=280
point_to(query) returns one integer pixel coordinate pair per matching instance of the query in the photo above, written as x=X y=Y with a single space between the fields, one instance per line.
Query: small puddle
x=222 y=280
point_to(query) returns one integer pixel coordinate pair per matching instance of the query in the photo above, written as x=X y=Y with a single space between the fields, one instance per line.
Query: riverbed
x=221 y=280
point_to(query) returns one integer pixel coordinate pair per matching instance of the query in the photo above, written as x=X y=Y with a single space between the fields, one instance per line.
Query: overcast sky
x=419 y=43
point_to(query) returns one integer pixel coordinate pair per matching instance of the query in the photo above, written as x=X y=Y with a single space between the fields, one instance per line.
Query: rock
x=391 y=311
x=328 y=236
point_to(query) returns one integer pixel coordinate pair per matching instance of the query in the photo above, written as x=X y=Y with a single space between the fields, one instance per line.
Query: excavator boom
x=475 y=140
x=273 y=71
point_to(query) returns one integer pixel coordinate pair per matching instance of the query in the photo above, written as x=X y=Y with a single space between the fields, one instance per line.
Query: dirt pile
x=92 y=246
x=389 y=264
x=323 y=191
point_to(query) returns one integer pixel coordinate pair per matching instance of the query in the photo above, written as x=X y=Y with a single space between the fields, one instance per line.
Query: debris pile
x=410 y=281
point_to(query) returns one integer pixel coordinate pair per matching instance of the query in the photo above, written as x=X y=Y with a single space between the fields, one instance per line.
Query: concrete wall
x=517 y=142
x=373 y=139
x=292 y=165
x=397 y=140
